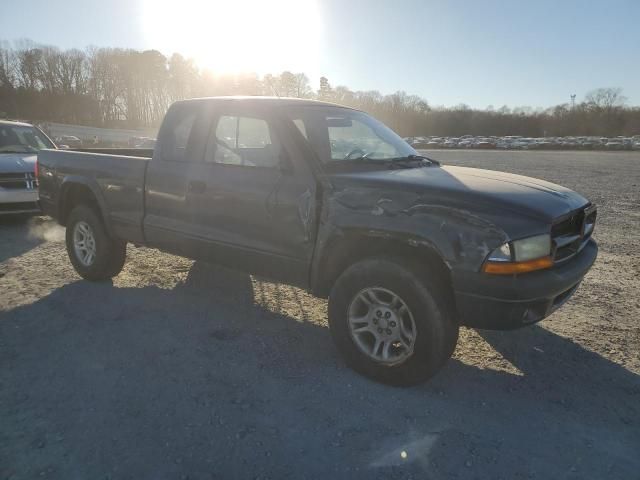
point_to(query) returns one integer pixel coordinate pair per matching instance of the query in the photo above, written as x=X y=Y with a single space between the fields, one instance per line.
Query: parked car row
x=142 y=142
x=514 y=142
x=68 y=141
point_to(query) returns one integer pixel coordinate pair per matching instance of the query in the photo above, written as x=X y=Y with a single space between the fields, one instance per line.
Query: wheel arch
x=79 y=191
x=342 y=251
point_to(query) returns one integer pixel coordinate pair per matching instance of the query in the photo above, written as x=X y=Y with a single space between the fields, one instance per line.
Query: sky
x=480 y=53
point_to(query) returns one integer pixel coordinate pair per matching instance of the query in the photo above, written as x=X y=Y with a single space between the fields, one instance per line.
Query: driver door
x=252 y=196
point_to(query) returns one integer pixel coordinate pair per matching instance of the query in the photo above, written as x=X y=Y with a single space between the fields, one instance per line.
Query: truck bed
x=116 y=180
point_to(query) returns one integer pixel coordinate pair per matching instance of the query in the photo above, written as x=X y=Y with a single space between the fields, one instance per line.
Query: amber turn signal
x=510 y=268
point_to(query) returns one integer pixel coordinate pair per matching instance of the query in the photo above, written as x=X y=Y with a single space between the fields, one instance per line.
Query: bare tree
x=29 y=68
x=303 y=90
x=287 y=84
x=110 y=87
x=606 y=98
x=324 y=92
x=7 y=66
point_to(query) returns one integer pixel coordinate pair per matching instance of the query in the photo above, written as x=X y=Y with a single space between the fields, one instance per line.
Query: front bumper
x=13 y=201
x=506 y=302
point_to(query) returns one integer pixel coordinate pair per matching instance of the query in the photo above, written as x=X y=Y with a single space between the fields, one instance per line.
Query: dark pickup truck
x=327 y=198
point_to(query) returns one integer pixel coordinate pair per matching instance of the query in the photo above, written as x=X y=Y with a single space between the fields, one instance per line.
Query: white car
x=19 y=146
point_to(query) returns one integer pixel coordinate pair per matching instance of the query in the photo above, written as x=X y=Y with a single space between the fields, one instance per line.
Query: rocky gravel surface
x=182 y=370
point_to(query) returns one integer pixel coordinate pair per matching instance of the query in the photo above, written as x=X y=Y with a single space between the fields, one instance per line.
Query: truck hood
x=17 y=162
x=474 y=188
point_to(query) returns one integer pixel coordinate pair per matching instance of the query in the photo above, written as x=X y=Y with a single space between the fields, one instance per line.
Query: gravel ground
x=185 y=370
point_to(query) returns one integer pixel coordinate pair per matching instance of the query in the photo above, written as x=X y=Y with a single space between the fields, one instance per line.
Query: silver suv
x=19 y=146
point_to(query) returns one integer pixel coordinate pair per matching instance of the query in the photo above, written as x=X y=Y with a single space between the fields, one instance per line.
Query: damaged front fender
x=461 y=238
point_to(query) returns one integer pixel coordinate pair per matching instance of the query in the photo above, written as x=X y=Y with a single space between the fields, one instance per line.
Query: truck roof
x=274 y=101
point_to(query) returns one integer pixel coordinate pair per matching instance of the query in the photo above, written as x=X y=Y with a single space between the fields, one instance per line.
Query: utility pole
x=573 y=101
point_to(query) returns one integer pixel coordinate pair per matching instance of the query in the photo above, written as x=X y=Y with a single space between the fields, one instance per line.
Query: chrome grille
x=18 y=181
x=571 y=233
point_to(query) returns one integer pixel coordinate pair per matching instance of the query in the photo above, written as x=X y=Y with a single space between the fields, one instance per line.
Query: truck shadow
x=569 y=413
x=205 y=379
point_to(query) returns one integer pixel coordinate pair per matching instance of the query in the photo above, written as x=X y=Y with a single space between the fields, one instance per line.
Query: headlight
x=532 y=247
x=520 y=256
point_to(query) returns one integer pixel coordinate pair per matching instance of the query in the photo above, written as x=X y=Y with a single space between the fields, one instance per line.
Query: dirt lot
x=185 y=370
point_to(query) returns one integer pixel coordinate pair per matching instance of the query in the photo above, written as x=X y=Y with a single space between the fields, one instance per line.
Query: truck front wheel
x=93 y=254
x=390 y=323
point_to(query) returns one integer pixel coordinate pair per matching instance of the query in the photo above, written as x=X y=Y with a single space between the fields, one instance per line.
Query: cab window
x=243 y=141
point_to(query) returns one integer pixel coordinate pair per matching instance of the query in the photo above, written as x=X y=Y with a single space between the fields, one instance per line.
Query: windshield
x=22 y=139
x=341 y=134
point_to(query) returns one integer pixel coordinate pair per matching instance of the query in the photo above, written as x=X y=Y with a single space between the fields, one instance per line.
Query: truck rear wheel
x=390 y=324
x=93 y=254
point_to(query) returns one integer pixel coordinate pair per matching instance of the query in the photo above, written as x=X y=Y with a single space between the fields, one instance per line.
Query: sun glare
x=235 y=36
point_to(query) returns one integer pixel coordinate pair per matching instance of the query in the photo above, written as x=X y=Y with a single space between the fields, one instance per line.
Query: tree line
x=113 y=87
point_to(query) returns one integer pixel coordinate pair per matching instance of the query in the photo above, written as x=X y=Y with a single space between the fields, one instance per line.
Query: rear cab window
x=176 y=132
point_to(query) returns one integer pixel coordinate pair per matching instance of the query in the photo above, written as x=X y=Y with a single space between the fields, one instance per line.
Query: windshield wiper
x=365 y=158
x=409 y=161
x=413 y=158
x=422 y=157
x=362 y=158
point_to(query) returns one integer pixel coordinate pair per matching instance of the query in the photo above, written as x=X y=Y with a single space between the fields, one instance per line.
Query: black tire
x=436 y=327
x=110 y=254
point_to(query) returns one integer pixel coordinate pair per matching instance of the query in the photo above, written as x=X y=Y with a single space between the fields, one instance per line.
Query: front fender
x=461 y=238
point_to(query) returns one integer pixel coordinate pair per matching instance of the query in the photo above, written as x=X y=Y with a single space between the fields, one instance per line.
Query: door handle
x=196 y=186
